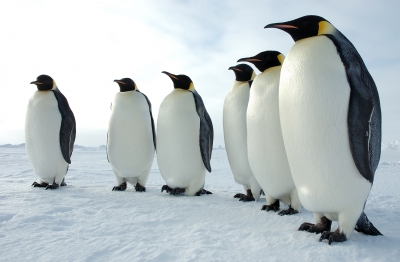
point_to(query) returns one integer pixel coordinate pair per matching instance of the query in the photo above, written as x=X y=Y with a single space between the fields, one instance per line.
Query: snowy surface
x=86 y=221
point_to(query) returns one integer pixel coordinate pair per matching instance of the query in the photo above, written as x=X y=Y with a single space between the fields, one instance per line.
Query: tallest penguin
x=331 y=125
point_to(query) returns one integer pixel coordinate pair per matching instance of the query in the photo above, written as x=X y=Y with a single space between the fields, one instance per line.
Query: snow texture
x=86 y=221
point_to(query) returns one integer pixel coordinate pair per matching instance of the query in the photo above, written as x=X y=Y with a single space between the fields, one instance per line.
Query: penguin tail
x=365 y=226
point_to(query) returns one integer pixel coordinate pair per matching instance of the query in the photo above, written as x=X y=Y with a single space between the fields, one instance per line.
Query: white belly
x=130 y=145
x=178 y=149
x=267 y=154
x=313 y=103
x=42 y=137
x=235 y=132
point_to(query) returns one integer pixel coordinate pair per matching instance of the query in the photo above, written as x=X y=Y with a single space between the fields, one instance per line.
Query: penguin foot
x=239 y=195
x=247 y=198
x=274 y=207
x=63 y=183
x=323 y=225
x=333 y=236
x=177 y=191
x=166 y=188
x=203 y=192
x=121 y=187
x=52 y=186
x=140 y=188
x=289 y=211
x=43 y=184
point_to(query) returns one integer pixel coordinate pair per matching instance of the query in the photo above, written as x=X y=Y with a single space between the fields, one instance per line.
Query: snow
x=86 y=221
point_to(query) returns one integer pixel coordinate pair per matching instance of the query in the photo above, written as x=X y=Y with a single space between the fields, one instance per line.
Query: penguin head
x=243 y=72
x=44 y=82
x=180 y=81
x=304 y=27
x=265 y=60
x=126 y=84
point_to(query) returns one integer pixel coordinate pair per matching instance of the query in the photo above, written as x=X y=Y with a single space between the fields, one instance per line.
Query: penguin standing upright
x=267 y=155
x=184 y=139
x=331 y=124
x=50 y=131
x=131 y=138
x=235 y=132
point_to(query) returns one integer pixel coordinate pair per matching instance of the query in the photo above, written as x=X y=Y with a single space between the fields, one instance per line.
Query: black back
x=152 y=120
x=206 y=131
x=364 y=117
x=68 y=126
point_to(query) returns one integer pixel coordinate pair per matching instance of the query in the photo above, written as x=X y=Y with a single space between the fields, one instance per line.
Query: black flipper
x=365 y=226
x=152 y=120
x=364 y=116
x=68 y=126
x=206 y=131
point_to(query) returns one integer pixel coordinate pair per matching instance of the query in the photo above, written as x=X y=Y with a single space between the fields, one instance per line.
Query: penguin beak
x=281 y=26
x=36 y=83
x=234 y=68
x=170 y=75
x=119 y=82
x=249 y=59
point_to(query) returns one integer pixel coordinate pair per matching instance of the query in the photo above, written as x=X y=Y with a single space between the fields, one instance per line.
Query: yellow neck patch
x=281 y=58
x=253 y=75
x=325 y=27
x=191 y=87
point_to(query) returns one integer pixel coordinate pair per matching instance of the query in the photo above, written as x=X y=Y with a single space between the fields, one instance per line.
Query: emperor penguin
x=131 y=138
x=267 y=155
x=184 y=139
x=235 y=132
x=50 y=131
x=331 y=124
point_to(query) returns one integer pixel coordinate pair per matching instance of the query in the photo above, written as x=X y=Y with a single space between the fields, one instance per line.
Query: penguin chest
x=267 y=155
x=235 y=131
x=130 y=145
x=42 y=133
x=313 y=105
x=178 y=148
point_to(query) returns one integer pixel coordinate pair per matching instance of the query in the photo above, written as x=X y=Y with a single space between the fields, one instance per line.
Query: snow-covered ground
x=86 y=221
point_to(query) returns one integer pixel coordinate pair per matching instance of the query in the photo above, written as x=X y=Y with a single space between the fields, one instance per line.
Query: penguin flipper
x=365 y=226
x=68 y=126
x=152 y=120
x=206 y=131
x=364 y=116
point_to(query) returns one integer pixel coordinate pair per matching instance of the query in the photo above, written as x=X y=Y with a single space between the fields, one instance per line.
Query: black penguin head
x=126 y=84
x=180 y=81
x=43 y=82
x=304 y=27
x=265 y=60
x=243 y=72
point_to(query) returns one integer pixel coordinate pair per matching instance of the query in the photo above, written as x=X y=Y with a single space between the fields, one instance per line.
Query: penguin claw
x=121 y=187
x=289 y=211
x=203 y=192
x=274 y=207
x=36 y=184
x=245 y=198
x=177 y=191
x=239 y=195
x=166 y=188
x=140 y=188
x=333 y=236
x=52 y=186
x=323 y=225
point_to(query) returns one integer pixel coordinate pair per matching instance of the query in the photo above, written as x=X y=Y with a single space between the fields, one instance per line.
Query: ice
x=86 y=221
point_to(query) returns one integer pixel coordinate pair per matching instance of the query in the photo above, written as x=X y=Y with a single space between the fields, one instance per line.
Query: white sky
x=85 y=45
